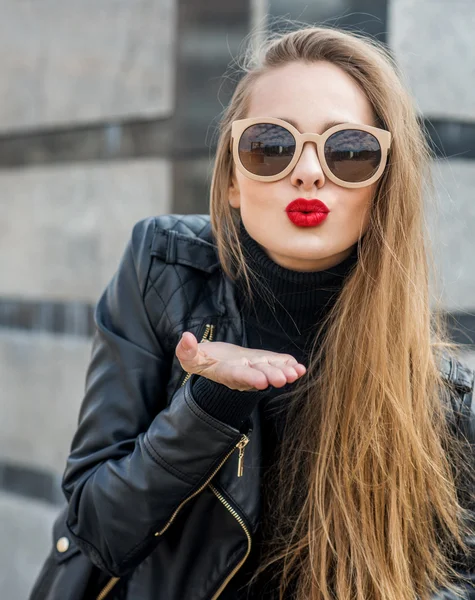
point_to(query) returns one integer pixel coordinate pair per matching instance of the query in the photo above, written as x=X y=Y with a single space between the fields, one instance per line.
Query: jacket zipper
x=240 y=445
x=108 y=588
x=208 y=335
x=243 y=441
x=240 y=520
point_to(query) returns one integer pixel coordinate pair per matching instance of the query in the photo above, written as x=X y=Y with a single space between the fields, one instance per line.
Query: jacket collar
x=178 y=248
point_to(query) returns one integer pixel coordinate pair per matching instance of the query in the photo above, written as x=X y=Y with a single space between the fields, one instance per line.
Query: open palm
x=236 y=367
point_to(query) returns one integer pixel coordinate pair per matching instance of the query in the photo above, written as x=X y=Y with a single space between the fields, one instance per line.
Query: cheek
x=257 y=196
x=252 y=191
x=363 y=205
x=355 y=208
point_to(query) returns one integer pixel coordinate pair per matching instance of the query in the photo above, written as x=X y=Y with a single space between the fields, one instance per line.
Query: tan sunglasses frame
x=239 y=126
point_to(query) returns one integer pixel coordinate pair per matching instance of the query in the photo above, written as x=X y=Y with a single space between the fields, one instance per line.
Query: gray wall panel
x=433 y=43
x=451 y=218
x=42 y=387
x=75 y=62
x=64 y=228
x=25 y=528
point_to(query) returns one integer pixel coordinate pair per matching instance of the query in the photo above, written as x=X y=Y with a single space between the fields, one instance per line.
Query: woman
x=270 y=410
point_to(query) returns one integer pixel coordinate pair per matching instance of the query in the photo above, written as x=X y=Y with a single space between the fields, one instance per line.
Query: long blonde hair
x=368 y=507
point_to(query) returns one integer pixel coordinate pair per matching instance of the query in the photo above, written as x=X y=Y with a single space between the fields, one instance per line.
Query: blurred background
x=108 y=114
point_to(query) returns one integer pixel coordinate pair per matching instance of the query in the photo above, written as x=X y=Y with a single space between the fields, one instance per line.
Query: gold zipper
x=240 y=445
x=207 y=336
x=108 y=588
x=240 y=520
x=242 y=442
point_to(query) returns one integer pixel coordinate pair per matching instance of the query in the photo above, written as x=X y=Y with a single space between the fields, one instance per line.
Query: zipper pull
x=243 y=442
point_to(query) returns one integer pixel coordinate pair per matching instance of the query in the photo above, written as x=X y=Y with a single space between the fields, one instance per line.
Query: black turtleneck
x=290 y=306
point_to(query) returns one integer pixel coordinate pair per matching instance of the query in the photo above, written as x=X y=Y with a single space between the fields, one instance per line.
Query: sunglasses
x=351 y=155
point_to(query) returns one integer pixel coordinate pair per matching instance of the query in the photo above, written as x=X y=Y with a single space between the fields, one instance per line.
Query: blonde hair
x=367 y=505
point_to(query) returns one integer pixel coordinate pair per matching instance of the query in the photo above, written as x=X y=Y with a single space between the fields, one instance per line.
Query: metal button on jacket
x=62 y=544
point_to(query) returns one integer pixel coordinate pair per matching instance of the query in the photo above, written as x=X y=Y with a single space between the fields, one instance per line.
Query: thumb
x=187 y=347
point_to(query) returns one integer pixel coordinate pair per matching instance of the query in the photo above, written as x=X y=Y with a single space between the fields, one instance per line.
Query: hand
x=236 y=367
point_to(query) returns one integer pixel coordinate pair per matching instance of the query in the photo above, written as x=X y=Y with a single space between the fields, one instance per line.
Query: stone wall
x=66 y=63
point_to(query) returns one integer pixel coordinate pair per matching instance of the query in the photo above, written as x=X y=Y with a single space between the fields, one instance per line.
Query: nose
x=308 y=171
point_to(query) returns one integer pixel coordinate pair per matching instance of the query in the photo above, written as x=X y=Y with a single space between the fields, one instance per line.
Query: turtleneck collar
x=290 y=301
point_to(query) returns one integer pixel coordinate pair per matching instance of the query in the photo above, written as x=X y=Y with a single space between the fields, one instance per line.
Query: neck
x=291 y=301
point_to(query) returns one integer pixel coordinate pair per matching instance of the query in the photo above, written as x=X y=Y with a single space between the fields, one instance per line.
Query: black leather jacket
x=151 y=480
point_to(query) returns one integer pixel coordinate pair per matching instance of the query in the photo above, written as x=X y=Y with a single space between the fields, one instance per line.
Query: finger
x=289 y=372
x=283 y=366
x=274 y=375
x=187 y=348
x=292 y=371
x=241 y=377
x=289 y=362
x=301 y=369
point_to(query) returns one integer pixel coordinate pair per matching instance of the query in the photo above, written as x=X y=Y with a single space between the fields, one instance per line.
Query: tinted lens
x=266 y=149
x=353 y=155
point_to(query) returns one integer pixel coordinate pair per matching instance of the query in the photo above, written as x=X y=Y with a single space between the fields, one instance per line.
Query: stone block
x=451 y=220
x=69 y=62
x=25 y=533
x=42 y=387
x=433 y=43
x=64 y=228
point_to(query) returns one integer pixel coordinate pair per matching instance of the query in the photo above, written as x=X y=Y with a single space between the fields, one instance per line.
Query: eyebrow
x=326 y=125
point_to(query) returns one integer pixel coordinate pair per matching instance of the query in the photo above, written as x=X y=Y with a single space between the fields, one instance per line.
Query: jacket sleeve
x=134 y=459
x=465 y=426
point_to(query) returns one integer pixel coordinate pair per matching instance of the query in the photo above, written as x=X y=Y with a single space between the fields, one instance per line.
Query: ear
x=234 y=193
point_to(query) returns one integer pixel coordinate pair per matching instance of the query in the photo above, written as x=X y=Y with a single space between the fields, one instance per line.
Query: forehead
x=310 y=94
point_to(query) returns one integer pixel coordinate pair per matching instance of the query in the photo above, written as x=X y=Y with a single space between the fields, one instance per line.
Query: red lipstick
x=307 y=213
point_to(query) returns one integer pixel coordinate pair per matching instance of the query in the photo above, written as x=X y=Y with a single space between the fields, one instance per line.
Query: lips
x=307 y=213
x=307 y=206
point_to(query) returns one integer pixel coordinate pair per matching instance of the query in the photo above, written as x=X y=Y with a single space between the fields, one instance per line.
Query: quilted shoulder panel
x=185 y=240
x=184 y=280
x=192 y=226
